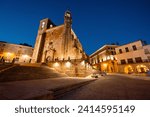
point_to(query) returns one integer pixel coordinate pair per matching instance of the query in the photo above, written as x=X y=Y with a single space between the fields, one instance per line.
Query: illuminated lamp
x=56 y=64
x=68 y=64
x=25 y=56
x=83 y=63
x=105 y=65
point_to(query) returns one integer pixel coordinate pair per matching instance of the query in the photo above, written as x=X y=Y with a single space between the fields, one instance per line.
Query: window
x=138 y=59
x=43 y=25
x=51 y=26
x=134 y=47
x=123 y=61
x=120 y=51
x=130 y=60
x=127 y=49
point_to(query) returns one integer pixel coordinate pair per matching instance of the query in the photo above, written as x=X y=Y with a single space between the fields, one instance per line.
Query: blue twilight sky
x=96 y=22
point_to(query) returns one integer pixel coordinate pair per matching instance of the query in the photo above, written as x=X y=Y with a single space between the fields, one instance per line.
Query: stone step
x=31 y=64
x=56 y=93
x=29 y=73
x=59 y=92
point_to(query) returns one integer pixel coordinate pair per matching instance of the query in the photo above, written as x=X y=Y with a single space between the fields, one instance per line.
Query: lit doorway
x=128 y=69
x=142 y=69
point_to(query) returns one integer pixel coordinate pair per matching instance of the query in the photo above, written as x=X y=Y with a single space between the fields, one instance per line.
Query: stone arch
x=128 y=69
x=48 y=59
x=50 y=54
x=141 y=68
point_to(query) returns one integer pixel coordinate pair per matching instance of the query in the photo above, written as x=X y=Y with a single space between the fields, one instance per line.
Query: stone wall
x=73 y=68
x=57 y=42
x=19 y=53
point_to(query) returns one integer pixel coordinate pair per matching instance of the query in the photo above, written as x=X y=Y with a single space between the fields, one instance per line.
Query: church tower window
x=43 y=25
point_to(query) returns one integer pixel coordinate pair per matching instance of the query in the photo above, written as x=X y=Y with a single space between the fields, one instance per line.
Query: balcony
x=129 y=50
x=142 y=61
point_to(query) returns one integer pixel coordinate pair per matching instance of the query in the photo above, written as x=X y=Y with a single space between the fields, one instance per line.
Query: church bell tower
x=67 y=34
x=40 y=40
x=68 y=19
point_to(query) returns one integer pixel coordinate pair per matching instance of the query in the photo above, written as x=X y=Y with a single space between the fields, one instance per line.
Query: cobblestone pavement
x=38 y=89
x=18 y=73
x=40 y=82
x=112 y=87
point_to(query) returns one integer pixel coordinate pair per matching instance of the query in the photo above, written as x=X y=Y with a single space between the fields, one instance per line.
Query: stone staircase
x=4 y=66
x=19 y=73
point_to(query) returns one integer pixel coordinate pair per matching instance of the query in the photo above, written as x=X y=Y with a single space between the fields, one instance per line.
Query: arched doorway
x=142 y=68
x=48 y=59
x=49 y=55
x=128 y=69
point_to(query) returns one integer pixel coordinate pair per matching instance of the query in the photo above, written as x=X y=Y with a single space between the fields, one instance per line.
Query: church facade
x=58 y=46
x=57 y=42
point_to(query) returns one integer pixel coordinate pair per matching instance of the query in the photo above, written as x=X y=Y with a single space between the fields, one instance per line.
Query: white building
x=104 y=59
x=18 y=53
x=133 y=57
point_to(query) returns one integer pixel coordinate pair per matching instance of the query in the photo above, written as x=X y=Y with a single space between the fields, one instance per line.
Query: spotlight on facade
x=9 y=54
x=68 y=64
x=83 y=63
x=56 y=64
x=25 y=56
x=105 y=65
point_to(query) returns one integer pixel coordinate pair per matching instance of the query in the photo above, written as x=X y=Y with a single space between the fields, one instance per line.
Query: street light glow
x=105 y=65
x=68 y=64
x=25 y=56
x=8 y=53
x=56 y=64
x=83 y=63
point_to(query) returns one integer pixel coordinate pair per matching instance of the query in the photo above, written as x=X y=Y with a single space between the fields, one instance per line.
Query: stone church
x=58 y=46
